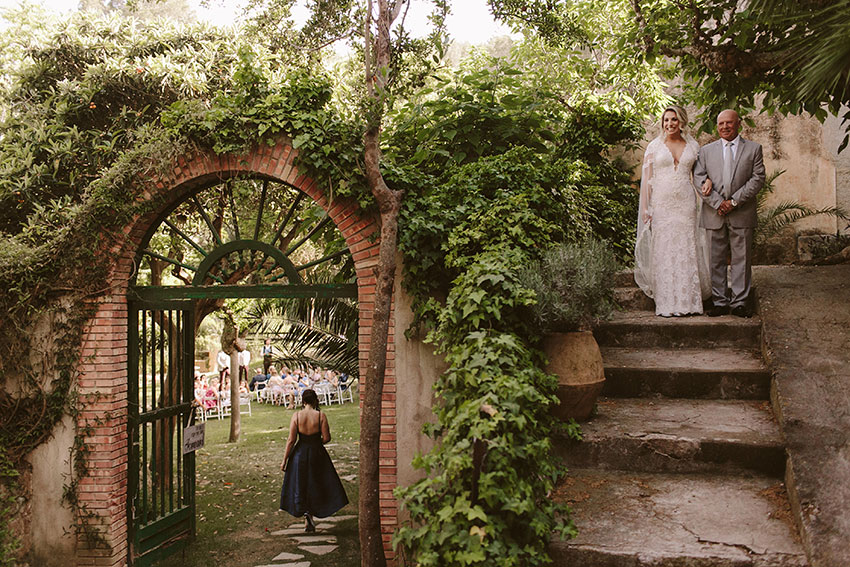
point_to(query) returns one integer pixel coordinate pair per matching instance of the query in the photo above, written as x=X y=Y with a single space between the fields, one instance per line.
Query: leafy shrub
x=498 y=180
x=573 y=283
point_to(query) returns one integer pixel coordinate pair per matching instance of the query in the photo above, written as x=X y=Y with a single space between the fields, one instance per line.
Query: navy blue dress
x=311 y=483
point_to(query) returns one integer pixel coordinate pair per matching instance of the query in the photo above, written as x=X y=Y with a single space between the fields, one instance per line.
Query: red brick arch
x=103 y=381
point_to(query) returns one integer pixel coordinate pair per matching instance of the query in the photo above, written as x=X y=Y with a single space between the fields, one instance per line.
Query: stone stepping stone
x=318 y=549
x=294 y=530
x=288 y=557
x=327 y=538
x=297 y=564
x=338 y=518
x=349 y=477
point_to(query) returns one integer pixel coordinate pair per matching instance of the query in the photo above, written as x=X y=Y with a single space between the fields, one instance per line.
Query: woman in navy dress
x=311 y=486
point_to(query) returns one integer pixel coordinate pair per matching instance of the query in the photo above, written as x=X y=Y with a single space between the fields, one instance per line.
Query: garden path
x=314 y=545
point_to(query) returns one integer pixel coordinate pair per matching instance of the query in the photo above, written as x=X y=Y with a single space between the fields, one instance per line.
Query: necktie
x=727 y=169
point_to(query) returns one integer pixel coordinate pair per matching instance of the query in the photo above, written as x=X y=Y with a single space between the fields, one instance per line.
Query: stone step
x=719 y=373
x=678 y=435
x=633 y=299
x=644 y=329
x=625 y=279
x=683 y=520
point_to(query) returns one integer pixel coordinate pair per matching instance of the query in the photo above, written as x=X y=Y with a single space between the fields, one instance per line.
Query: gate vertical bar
x=161 y=508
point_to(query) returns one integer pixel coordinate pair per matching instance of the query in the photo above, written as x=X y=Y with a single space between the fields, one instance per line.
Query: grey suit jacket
x=747 y=180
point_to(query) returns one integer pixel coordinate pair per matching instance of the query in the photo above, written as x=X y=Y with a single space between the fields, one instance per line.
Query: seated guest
x=331 y=377
x=304 y=382
x=199 y=392
x=276 y=388
x=259 y=381
x=211 y=395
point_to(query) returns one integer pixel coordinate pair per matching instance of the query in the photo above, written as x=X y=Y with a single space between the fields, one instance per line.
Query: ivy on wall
x=92 y=106
x=504 y=172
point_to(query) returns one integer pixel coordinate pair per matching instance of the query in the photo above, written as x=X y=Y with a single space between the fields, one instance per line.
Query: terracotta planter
x=576 y=359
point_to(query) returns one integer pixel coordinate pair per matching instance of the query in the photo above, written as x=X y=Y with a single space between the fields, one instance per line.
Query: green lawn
x=238 y=491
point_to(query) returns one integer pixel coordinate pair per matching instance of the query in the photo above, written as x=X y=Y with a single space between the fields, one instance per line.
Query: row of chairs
x=328 y=394
x=291 y=396
x=223 y=407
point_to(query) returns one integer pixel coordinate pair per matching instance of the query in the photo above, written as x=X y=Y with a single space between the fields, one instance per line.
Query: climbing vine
x=471 y=226
x=93 y=105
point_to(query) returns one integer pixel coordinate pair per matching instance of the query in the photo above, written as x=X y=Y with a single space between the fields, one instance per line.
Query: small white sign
x=193 y=437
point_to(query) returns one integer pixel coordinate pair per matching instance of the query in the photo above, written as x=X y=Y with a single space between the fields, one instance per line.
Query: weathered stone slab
x=636 y=520
x=806 y=311
x=678 y=435
x=643 y=329
x=319 y=549
x=318 y=538
x=717 y=373
x=338 y=518
x=285 y=556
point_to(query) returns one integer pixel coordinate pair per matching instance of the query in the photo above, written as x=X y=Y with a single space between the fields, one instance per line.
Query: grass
x=238 y=491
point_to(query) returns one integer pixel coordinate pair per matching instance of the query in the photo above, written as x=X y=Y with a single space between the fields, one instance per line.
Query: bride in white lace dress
x=671 y=262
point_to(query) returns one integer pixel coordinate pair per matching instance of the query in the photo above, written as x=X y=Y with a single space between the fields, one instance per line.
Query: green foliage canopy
x=787 y=57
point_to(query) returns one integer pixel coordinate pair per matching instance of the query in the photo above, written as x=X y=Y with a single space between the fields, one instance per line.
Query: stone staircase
x=682 y=463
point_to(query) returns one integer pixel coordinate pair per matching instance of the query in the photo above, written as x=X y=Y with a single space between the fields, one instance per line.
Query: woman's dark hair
x=309 y=397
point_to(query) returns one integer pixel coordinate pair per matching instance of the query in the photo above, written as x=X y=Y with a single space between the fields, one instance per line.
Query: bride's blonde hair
x=681 y=114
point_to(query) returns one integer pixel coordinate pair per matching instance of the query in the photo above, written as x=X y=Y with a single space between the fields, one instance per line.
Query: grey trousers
x=737 y=243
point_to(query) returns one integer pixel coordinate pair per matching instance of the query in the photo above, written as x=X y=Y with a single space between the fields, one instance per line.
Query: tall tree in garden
x=377 y=66
x=383 y=61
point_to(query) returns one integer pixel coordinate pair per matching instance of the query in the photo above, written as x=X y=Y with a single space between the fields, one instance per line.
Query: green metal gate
x=203 y=243
x=161 y=502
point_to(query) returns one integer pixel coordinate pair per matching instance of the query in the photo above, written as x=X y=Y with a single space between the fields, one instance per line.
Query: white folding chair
x=224 y=404
x=331 y=393
x=214 y=410
x=245 y=400
x=343 y=394
x=322 y=393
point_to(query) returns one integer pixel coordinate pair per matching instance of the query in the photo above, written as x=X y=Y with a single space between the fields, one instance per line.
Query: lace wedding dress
x=671 y=262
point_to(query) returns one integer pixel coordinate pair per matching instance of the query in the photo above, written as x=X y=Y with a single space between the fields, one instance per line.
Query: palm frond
x=311 y=331
x=767 y=189
x=773 y=220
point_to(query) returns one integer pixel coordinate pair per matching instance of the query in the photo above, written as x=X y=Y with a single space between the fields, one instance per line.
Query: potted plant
x=573 y=283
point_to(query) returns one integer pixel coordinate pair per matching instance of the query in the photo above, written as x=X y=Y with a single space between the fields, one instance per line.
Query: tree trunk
x=389 y=204
x=235 y=414
x=232 y=345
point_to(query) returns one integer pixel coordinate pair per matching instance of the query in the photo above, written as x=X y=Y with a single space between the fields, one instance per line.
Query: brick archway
x=103 y=384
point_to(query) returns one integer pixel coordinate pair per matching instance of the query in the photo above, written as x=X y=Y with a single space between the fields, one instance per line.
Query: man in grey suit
x=730 y=173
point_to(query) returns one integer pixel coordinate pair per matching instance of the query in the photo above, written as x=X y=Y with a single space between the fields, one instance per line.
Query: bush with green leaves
x=504 y=173
x=573 y=286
